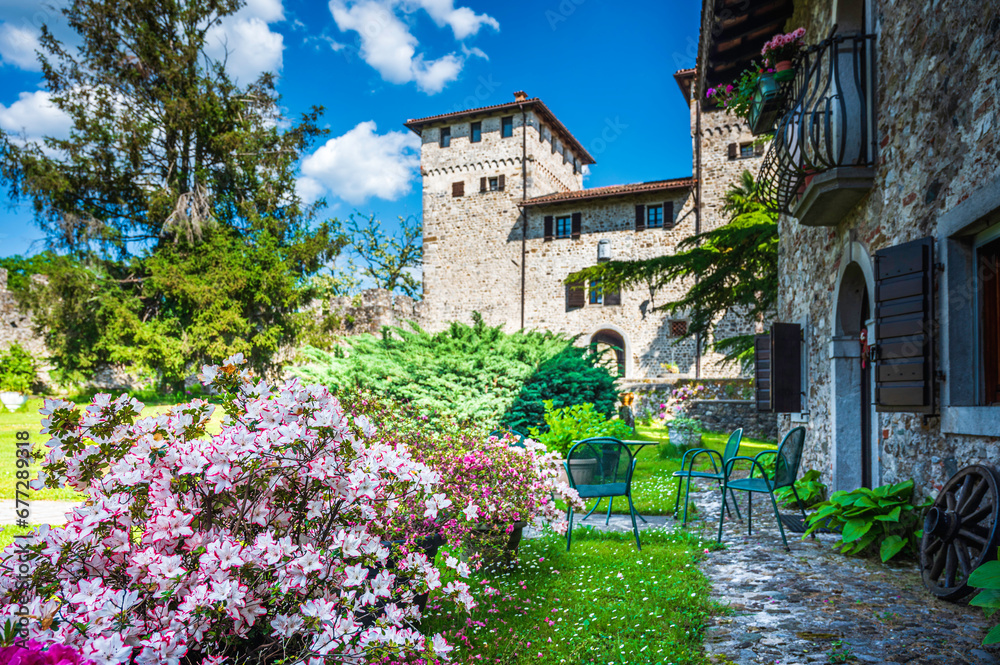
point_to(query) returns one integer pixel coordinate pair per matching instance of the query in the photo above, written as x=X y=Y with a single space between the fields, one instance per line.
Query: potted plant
x=779 y=52
x=17 y=375
x=683 y=431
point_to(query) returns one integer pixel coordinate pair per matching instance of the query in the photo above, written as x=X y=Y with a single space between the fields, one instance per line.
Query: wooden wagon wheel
x=960 y=531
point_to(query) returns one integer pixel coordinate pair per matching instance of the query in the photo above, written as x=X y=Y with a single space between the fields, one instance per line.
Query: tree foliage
x=172 y=201
x=390 y=260
x=732 y=267
x=473 y=373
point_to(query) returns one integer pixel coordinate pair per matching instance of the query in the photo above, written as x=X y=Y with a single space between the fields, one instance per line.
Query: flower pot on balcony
x=783 y=71
x=766 y=105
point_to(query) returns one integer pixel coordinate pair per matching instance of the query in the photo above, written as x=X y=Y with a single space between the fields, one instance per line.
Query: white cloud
x=248 y=46
x=18 y=45
x=33 y=115
x=362 y=164
x=388 y=45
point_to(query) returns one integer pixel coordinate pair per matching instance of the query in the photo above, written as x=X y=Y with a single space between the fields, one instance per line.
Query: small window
x=576 y=166
x=746 y=150
x=596 y=293
x=507 y=127
x=445 y=140
x=654 y=216
x=988 y=257
x=564 y=226
x=494 y=184
x=678 y=328
x=476 y=132
x=458 y=189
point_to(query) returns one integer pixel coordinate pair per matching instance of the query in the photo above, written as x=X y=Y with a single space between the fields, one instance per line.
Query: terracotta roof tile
x=610 y=191
x=531 y=104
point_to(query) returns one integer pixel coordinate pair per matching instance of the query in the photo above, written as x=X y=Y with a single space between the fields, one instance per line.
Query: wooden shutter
x=458 y=189
x=758 y=148
x=778 y=369
x=575 y=295
x=668 y=214
x=640 y=218
x=734 y=150
x=482 y=184
x=613 y=298
x=548 y=227
x=577 y=225
x=500 y=182
x=762 y=371
x=904 y=327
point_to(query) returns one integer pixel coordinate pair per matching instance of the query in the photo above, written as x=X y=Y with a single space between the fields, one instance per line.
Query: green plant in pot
x=684 y=432
x=18 y=373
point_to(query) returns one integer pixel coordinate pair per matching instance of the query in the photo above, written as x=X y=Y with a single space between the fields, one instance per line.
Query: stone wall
x=937 y=103
x=368 y=311
x=725 y=415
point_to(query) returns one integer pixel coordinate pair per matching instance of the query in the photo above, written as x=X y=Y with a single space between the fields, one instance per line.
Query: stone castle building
x=506 y=219
x=885 y=168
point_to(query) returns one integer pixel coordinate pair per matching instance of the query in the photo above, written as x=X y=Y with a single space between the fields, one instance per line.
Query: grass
x=602 y=602
x=27 y=419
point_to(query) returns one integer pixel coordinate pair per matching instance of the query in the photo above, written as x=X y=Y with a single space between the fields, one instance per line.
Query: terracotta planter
x=783 y=66
x=12 y=400
x=582 y=470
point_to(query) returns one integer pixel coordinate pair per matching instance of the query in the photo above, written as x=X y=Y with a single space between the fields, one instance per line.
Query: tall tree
x=174 y=184
x=731 y=267
x=390 y=260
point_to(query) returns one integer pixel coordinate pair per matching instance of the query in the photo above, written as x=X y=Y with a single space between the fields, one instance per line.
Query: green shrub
x=809 y=488
x=18 y=371
x=883 y=518
x=476 y=374
x=986 y=578
x=572 y=423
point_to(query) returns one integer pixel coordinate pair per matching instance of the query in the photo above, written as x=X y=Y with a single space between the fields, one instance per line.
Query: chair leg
x=749 y=513
x=677 y=499
x=722 y=516
x=569 y=530
x=635 y=527
x=781 y=528
x=687 y=495
x=611 y=502
x=733 y=497
x=725 y=504
x=802 y=509
x=599 y=499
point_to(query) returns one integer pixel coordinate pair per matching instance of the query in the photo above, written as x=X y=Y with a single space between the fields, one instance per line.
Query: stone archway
x=610 y=339
x=855 y=443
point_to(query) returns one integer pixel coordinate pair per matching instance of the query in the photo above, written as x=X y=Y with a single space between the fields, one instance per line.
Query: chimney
x=520 y=96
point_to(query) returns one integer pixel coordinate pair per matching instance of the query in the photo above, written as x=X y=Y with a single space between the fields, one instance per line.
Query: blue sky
x=604 y=68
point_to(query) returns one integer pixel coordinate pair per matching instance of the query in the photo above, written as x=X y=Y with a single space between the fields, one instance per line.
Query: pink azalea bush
x=35 y=653
x=783 y=47
x=262 y=543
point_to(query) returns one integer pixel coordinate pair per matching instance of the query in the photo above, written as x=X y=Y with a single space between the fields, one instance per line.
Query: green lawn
x=603 y=602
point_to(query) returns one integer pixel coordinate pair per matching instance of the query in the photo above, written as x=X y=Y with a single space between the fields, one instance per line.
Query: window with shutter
x=577 y=224
x=640 y=218
x=575 y=295
x=507 y=127
x=482 y=184
x=904 y=327
x=668 y=215
x=778 y=369
x=548 y=227
x=476 y=132
x=564 y=226
x=988 y=277
x=445 y=138
x=500 y=182
x=734 y=150
x=458 y=189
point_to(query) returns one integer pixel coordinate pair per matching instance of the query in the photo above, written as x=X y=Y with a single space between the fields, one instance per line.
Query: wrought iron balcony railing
x=828 y=124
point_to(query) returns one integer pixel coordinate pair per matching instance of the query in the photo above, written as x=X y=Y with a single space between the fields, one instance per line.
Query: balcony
x=821 y=161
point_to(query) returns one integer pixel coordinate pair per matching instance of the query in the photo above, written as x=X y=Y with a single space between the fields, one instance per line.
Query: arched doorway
x=609 y=345
x=855 y=454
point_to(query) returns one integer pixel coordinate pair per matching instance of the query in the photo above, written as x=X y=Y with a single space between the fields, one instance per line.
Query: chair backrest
x=786 y=468
x=732 y=448
x=516 y=439
x=601 y=460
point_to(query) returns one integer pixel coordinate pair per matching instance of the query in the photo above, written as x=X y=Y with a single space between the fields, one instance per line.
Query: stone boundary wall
x=371 y=309
x=725 y=415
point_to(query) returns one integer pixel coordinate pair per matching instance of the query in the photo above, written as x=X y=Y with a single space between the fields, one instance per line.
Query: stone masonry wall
x=371 y=309
x=937 y=104
x=725 y=415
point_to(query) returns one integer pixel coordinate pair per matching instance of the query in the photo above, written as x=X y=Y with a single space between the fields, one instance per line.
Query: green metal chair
x=688 y=471
x=516 y=438
x=786 y=470
x=601 y=467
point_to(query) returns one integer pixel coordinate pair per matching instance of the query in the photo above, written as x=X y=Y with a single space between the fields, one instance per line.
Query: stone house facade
x=888 y=252
x=506 y=219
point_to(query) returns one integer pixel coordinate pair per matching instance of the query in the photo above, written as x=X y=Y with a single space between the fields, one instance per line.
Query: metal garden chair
x=688 y=471
x=516 y=438
x=601 y=467
x=786 y=469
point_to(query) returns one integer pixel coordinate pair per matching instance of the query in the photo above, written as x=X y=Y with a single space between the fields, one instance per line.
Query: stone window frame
x=444 y=137
x=475 y=132
x=959 y=232
x=507 y=123
x=558 y=226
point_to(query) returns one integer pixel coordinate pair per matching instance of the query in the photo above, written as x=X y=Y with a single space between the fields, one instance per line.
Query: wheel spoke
x=950 y=502
x=963 y=492
x=932 y=547
x=969 y=535
x=972 y=501
x=950 y=564
x=937 y=565
x=977 y=515
x=963 y=559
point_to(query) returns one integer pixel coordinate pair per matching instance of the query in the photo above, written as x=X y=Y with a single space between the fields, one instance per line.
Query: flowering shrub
x=36 y=653
x=783 y=47
x=250 y=546
x=498 y=484
x=576 y=422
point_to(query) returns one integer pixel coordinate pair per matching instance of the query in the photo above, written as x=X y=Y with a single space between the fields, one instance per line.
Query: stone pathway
x=815 y=605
